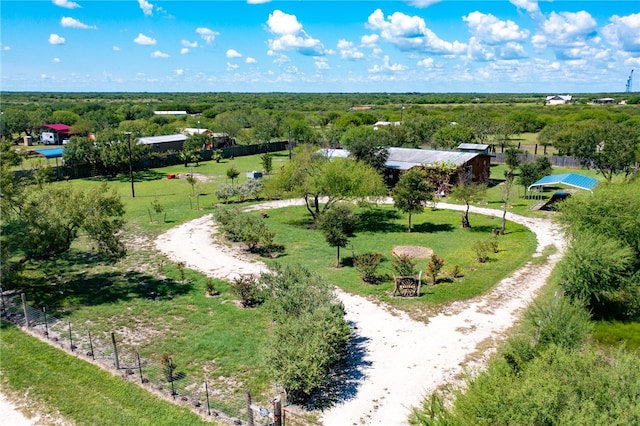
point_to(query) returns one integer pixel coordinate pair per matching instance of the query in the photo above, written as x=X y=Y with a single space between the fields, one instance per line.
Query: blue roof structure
x=569 y=179
x=49 y=153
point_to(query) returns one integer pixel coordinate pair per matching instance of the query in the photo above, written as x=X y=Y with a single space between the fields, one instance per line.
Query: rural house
x=558 y=100
x=476 y=162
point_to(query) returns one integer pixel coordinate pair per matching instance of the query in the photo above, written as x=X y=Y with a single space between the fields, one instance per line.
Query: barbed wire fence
x=162 y=379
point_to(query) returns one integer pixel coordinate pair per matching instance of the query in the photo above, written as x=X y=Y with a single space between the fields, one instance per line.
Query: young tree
x=467 y=192
x=412 y=192
x=337 y=225
x=506 y=196
x=267 y=162
x=232 y=173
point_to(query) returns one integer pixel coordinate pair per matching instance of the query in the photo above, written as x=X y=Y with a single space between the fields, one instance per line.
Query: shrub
x=168 y=367
x=482 y=251
x=246 y=288
x=403 y=265
x=456 y=271
x=433 y=268
x=367 y=264
x=492 y=244
x=225 y=192
x=250 y=189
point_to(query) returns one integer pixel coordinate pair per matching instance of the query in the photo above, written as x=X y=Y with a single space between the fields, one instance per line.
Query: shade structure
x=570 y=179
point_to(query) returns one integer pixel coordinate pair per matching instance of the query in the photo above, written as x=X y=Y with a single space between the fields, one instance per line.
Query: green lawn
x=143 y=299
x=66 y=386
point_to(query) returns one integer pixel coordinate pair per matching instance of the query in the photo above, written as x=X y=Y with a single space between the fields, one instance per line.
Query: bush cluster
x=403 y=265
x=246 y=228
x=310 y=331
x=248 y=190
x=367 y=264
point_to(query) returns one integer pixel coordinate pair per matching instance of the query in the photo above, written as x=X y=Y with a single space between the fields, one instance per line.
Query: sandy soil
x=9 y=414
x=402 y=360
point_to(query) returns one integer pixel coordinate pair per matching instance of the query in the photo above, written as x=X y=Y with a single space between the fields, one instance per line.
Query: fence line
x=127 y=362
x=556 y=160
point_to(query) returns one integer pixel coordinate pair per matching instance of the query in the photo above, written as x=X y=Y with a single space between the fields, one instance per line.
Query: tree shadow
x=345 y=376
x=482 y=228
x=139 y=176
x=428 y=227
x=85 y=289
x=379 y=220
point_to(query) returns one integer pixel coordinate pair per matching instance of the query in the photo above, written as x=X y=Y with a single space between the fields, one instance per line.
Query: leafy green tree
x=531 y=172
x=267 y=162
x=412 y=192
x=66 y=117
x=310 y=331
x=364 y=145
x=318 y=179
x=453 y=135
x=337 y=225
x=609 y=147
x=46 y=221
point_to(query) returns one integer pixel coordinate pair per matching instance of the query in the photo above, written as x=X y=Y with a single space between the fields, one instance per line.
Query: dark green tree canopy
x=412 y=192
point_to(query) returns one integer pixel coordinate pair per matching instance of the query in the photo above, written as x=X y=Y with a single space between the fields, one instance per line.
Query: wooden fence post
x=115 y=351
x=249 y=409
x=277 y=412
x=24 y=308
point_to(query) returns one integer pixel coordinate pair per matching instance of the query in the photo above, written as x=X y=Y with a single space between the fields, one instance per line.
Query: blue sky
x=319 y=46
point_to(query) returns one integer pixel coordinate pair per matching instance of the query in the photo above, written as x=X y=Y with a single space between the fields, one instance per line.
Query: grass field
x=143 y=297
x=78 y=391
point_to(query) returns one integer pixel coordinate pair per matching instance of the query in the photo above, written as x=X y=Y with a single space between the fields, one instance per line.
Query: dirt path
x=403 y=359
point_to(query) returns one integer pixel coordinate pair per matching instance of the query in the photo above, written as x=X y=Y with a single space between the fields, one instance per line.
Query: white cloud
x=184 y=50
x=421 y=4
x=56 y=60
x=322 y=64
x=187 y=43
x=56 y=39
x=147 y=8
x=159 y=54
x=66 y=4
x=513 y=50
x=258 y=1
x=68 y=22
x=280 y=58
x=387 y=67
x=369 y=40
x=250 y=60
x=624 y=32
x=44 y=76
x=282 y=23
x=531 y=6
x=565 y=29
x=232 y=53
x=231 y=67
x=426 y=63
x=116 y=48
x=489 y=29
x=292 y=36
x=179 y=71
x=207 y=35
x=144 y=40
x=348 y=50
x=411 y=33
x=6 y=48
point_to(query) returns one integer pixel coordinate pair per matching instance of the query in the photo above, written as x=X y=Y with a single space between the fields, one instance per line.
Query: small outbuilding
x=164 y=142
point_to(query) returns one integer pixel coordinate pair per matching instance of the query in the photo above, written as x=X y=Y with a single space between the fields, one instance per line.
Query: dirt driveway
x=402 y=360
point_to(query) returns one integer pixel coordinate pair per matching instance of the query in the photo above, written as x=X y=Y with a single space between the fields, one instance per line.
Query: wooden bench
x=407 y=286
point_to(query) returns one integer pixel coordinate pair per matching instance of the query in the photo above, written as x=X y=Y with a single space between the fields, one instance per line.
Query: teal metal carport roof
x=569 y=179
x=49 y=153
